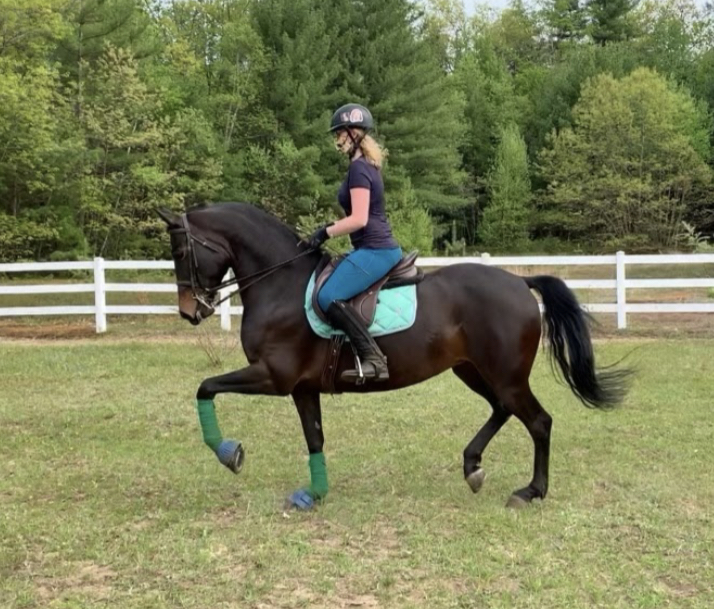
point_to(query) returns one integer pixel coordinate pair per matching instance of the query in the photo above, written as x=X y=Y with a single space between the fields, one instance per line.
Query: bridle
x=204 y=295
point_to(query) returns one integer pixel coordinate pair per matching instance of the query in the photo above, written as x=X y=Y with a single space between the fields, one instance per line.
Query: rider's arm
x=359 y=216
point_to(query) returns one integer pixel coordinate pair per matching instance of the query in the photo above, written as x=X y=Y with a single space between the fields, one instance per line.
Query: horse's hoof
x=300 y=500
x=231 y=454
x=516 y=502
x=475 y=479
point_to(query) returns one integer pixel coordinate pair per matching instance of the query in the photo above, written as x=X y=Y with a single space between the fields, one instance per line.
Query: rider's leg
x=354 y=274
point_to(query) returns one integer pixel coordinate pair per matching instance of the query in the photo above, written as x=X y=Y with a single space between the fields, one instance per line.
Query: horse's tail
x=571 y=346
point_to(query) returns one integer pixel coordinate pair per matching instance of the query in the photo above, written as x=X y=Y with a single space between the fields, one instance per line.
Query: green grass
x=109 y=499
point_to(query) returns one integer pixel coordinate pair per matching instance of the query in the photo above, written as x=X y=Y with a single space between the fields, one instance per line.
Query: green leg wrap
x=209 y=424
x=318 y=476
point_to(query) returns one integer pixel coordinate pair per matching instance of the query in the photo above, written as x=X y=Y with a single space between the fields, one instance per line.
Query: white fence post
x=485 y=258
x=100 y=297
x=621 y=292
x=226 y=304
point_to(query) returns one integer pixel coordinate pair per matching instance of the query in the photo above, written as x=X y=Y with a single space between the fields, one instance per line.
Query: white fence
x=100 y=287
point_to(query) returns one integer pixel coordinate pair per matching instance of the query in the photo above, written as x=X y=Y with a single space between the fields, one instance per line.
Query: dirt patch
x=505 y=585
x=656 y=326
x=86 y=579
x=639 y=326
x=678 y=588
x=47 y=331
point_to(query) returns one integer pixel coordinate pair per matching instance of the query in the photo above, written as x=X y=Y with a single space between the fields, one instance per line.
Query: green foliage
x=565 y=20
x=281 y=179
x=411 y=224
x=28 y=132
x=31 y=28
x=138 y=160
x=419 y=109
x=611 y=20
x=491 y=104
x=506 y=220
x=109 y=108
x=622 y=174
x=23 y=239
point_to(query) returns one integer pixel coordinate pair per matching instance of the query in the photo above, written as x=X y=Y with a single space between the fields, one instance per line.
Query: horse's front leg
x=254 y=379
x=308 y=407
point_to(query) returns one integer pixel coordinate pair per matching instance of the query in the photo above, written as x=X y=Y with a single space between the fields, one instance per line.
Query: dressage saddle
x=405 y=272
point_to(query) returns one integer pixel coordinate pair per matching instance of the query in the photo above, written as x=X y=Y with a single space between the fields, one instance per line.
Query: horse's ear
x=171 y=218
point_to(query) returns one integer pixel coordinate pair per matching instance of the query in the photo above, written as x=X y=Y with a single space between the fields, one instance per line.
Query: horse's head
x=200 y=263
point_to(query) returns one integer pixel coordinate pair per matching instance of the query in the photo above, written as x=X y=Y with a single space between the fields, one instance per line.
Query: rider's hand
x=318 y=237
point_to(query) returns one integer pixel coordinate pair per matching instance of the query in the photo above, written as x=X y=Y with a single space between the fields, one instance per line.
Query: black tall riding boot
x=373 y=361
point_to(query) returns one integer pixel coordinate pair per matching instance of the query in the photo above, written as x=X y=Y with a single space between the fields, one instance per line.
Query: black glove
x=318 y=237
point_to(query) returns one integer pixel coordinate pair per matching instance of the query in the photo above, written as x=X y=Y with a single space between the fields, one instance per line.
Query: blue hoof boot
x=301 y=500
x=231 y=454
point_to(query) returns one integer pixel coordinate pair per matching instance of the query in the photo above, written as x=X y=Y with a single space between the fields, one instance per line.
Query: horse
x=479 y=321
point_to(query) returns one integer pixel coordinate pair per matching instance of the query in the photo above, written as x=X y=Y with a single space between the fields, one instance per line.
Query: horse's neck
x=257 y=252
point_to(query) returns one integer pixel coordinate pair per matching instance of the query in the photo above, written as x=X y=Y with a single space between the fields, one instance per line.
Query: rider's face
x=342 y=141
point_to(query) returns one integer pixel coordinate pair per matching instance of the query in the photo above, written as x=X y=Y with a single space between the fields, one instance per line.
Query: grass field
x=109 y=499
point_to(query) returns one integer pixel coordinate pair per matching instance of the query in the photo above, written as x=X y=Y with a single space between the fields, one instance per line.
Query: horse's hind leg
x=473 y=472
x=524 y=405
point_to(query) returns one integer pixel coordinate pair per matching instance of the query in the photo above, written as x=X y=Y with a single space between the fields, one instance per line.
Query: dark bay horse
x=479 y=321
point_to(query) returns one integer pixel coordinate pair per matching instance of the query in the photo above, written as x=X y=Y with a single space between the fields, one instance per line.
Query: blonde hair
x=372 y=151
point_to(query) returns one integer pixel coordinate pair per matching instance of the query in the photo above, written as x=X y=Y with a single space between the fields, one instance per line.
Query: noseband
x=205 y=295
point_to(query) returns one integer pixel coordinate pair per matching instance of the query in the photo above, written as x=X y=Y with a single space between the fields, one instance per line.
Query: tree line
x=564 y=125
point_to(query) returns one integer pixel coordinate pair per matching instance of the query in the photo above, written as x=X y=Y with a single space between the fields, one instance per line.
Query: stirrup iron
x=358 y=365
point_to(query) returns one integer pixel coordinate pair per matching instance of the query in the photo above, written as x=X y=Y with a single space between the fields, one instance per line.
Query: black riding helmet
x=351 y=115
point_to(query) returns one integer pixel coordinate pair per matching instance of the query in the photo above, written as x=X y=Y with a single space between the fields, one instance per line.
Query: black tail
x=571 y=346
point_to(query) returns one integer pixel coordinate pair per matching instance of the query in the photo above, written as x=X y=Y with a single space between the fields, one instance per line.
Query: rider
x=375 y=251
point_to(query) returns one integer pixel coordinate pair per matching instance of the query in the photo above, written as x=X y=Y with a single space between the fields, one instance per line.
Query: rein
x=195 y=281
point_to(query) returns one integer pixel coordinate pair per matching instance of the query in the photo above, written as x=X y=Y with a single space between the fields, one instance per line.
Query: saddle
x=405 y=272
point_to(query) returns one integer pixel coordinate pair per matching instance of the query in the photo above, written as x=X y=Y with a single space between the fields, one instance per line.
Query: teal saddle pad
x=396 y=311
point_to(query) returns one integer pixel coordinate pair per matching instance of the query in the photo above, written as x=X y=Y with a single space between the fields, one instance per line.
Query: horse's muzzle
x=194 y=320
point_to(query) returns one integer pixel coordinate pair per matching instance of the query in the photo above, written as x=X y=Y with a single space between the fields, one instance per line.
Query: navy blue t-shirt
x=378 y=233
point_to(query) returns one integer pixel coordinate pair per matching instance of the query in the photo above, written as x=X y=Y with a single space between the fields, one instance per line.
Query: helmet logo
x=345 y=116
x=356 y=116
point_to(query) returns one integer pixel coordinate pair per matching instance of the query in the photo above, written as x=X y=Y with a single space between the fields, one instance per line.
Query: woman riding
x=375 y=251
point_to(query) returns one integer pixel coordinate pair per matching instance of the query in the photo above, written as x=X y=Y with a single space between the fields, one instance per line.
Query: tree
x=491 y=103
x=505 y=221
x=675 y=35
x=552 y=92
x=28 y=132
x=281 y=179
x=417 y=107
x=411 y=223
x=298 y=92
x=30 y=29
x=90 y=25
x=447 y=29
x=517 y=37
x=565 y=20
x=138 y=159
x=621 y=175
x=213 y=60
x=610 y=20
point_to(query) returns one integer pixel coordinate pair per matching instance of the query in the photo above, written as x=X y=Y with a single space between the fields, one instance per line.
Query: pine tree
x=610 y=20
x=90 y=25
x=417 y=108
x=505 y=221
x=565 y=20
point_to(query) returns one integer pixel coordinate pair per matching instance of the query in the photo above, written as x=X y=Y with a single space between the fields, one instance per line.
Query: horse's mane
x=253 y=214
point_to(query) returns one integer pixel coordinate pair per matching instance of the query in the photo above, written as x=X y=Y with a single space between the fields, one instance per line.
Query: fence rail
x=101 y=288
